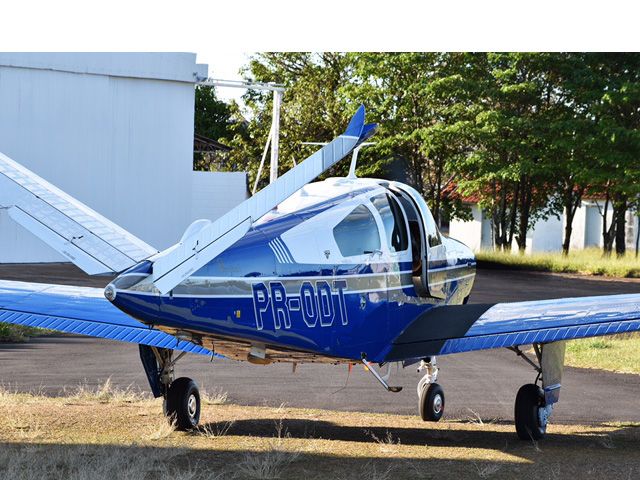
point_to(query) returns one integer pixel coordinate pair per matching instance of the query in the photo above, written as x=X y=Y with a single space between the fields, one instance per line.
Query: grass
x=105 y=393
x=585 y=262
x=17 y=333
x=106 y=437
x=618 y=353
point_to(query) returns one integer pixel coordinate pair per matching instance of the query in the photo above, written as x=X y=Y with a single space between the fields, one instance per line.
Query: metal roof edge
x=170 y=66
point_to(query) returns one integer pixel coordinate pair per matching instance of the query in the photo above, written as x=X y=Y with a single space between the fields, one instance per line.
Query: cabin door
x=428 y=251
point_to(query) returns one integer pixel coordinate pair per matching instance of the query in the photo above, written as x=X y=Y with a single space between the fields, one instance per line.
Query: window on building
x=357 y=233
x=393 y=220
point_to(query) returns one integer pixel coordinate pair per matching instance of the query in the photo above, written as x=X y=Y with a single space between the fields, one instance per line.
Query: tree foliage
x=527 y=135
x=212 y=119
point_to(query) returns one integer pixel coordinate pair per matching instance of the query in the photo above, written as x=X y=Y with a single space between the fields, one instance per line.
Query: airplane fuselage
x=334 y=273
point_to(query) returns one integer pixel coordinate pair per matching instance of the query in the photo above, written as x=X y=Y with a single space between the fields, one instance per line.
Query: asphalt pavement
x=476 y=384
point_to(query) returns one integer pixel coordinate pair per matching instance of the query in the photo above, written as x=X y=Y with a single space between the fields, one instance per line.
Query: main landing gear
x=181 y=402
x=530 y=424
x=534 y=403
x=430 y=394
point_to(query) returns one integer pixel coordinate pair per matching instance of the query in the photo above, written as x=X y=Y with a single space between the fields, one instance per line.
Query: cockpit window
x=357 y=233
x=393 y=220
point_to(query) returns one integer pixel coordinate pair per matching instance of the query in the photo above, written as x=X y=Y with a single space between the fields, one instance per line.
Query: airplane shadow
x=486 y=438
x=466 y=455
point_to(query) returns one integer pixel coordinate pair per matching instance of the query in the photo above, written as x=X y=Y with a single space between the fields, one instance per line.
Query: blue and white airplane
x=347 y=270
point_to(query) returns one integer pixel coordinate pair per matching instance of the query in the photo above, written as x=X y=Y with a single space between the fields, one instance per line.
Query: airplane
x=341 y=271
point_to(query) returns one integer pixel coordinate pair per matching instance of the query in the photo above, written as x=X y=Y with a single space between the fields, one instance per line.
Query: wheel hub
x=437 y=404
x=192 y=405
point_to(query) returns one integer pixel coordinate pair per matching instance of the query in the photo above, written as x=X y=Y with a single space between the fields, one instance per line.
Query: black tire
x=529 y=400
x=432 y=403
x=182 y=403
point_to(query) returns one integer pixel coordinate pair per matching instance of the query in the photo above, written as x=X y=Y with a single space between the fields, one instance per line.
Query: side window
x=357 y=233
x=433 y=236
x=394 y=222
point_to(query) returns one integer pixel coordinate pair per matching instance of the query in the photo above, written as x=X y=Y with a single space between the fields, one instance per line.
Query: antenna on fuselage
x=354 y=156
x=354 y=159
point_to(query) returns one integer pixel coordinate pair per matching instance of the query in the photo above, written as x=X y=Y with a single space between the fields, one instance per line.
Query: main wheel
x=182 y=403
x=432 y=403
x=529 y=401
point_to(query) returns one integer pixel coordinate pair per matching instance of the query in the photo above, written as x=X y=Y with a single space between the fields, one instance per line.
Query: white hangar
x=116 y=131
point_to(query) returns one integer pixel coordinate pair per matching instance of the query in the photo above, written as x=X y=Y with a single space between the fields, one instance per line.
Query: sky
x=224 y=65
x=224 y=34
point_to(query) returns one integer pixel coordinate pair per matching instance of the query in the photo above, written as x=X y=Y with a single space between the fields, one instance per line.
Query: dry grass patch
x=217 y=397
x=214 y=430
x=105 y=393
x=62 y=438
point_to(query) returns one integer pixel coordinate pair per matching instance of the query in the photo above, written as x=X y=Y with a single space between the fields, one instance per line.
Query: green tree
x=313 y=108
x=420 y=101
x=511 y=168
x=527 y=134
x=212 y=117
x=617 y=109
x=573 y=130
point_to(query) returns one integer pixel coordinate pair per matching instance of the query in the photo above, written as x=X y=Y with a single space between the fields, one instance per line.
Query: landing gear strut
x=534 y=404
x=430 y=394
x=181 y=396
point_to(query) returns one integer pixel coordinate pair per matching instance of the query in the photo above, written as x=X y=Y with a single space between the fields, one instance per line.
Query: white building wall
x=486 y=241
x=470 y=232
x=593 y=230
x=214 y=194
x=578 y=235
x=546 y=235
x=632 y=230
x=114 y=131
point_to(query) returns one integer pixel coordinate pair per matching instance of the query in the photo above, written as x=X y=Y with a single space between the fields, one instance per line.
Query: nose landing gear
x=430 y=394
x=431 y=400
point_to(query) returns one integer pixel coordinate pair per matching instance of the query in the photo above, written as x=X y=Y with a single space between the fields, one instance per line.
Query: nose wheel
x=430 y=394
x=182 y=403
x=431 y=402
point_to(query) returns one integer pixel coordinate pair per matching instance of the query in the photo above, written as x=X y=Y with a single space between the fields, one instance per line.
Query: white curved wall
x=116 y=132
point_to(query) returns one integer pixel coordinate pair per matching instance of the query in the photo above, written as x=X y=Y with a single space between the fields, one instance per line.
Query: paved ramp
x=477 y=383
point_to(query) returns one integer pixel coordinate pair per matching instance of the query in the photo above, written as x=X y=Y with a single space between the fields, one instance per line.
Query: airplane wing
x=80 y=310
x=178 y=262
x=89 y=240
x=464 y=328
